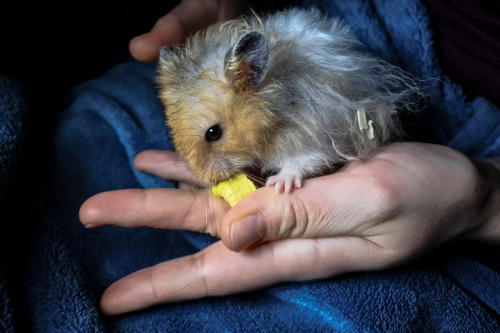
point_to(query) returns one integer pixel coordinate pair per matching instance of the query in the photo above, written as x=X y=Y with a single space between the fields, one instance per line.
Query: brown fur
x=213 y=162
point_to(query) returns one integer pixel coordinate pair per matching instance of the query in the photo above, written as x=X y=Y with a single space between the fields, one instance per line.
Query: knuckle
x=385 y=196
x=293 y=218
x=154 y=275
x=199 y=265
x=215 y=210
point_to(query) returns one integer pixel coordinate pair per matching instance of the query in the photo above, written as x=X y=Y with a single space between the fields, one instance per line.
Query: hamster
x=289 y=93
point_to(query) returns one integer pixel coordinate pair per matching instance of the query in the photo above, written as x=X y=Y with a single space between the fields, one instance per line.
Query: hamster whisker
x=191 y=135
x=210 y=207
x=256 y=179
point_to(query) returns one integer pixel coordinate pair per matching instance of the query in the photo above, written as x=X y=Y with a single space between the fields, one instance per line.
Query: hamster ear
x=165 y=52
x=246 y=63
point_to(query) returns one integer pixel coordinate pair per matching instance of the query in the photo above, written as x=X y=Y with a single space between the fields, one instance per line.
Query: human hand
x=406 y=200
x=173 y=28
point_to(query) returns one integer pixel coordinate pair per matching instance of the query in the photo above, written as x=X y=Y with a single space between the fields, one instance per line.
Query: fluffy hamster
x=287 y=93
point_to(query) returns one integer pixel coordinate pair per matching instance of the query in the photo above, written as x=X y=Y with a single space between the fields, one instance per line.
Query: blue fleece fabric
x=110 y=119
x=14 y=106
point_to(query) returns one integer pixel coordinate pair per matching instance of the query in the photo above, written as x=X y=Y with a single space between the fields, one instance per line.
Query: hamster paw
x=284 y=182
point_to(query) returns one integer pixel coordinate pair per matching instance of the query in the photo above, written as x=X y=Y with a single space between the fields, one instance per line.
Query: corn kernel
x=234 y=189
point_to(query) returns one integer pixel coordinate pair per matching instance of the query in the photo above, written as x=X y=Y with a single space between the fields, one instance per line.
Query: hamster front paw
x=284 y=182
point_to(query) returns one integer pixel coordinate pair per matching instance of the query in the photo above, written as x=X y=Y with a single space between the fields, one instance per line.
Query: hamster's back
x=318 y=80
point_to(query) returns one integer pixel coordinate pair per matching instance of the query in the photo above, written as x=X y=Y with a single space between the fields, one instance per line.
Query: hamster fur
x=280 y=93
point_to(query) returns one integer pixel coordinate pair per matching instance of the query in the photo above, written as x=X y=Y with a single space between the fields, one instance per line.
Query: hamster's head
x=218 y=122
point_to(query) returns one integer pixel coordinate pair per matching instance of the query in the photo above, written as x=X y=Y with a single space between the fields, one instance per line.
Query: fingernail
x=247 y=231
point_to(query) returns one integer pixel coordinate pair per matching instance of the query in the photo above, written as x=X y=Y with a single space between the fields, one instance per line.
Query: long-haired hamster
x=289 y=93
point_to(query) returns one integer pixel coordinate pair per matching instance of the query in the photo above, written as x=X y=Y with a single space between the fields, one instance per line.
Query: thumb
x=265 y=215
x=341 y=204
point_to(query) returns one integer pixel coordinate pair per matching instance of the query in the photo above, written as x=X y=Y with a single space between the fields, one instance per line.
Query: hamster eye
x=214 y=133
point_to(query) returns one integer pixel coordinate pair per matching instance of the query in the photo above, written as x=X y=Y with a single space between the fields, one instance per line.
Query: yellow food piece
x=234 y=189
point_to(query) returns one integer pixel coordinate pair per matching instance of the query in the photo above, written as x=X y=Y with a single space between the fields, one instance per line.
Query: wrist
x=487 y=228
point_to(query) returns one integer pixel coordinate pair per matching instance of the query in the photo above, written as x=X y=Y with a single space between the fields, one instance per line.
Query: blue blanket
x=14 y=109
x=65 y=267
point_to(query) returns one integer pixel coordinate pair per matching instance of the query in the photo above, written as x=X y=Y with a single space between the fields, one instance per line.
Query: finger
x=168 y=30
x=217 y=271
x=173 y=28
x=334 y=205
x=167 y=165
x=157 y=208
